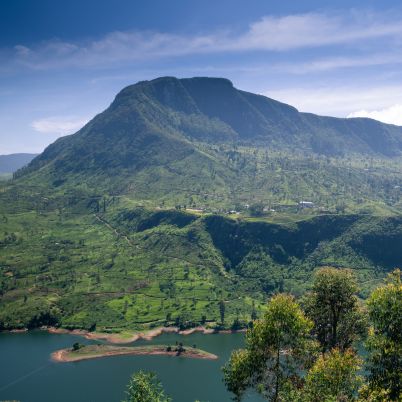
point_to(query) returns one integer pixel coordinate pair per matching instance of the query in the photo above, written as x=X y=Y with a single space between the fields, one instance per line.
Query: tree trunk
x=334 y=332
x=276 y=396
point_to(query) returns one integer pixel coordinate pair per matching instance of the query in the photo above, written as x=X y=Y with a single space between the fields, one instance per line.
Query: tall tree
x=333 y=306
x=385 y=339
x=278 y=347
x=222 y=311
x=145 y=387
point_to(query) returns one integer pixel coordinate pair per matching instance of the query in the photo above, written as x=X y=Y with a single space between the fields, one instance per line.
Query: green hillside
x=224 y=177
x=134 y=268
x=187 y=195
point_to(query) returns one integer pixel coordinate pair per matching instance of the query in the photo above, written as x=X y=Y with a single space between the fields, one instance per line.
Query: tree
x=180 y=348
x=385 y=339
x=77 y=346
x=145 y=387
x=333 y=306
x=256 y=210
x=253 y=312
x=278 y=347
x=222 y=311
x=333 y=377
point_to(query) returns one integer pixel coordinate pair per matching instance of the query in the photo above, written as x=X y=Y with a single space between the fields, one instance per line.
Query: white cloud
x=338 y=101
x=391 y=115
x=58 y=125
x=22 y=50
x=268 y=34
x=314 y=29
x=334 y=63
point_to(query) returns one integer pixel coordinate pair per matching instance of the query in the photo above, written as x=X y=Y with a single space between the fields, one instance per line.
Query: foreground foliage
x=333 y=377
x=333 y=306
x=278 y=347
x=145 y=387
x=385 y=339
x=264 y=365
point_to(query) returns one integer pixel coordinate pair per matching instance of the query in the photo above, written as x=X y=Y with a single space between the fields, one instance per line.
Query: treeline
x=306 y=350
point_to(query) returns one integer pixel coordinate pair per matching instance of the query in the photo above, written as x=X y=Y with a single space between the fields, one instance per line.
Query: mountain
x=12 y=162
x=163 y=114
x=177 y=139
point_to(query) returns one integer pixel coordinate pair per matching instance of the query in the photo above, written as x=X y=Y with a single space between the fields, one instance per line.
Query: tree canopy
x=333 y=307
x=278 y=347
x=333 y=377
x=385 y=339
x=145 y=387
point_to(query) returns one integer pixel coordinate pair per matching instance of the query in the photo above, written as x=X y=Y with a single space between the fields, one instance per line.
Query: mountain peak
x=218 y=81
x=170 y=81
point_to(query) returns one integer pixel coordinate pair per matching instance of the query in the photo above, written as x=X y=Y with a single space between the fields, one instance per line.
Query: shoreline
x=99 y=351
x=117 y=338
x=129 y=336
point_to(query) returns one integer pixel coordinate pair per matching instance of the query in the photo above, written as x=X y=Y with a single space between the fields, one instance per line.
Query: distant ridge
x=12 y=162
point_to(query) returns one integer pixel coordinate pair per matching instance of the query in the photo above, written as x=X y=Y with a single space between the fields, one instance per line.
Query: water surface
x=28 y=375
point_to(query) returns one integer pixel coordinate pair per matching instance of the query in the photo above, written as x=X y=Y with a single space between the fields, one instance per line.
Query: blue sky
x=63 y=62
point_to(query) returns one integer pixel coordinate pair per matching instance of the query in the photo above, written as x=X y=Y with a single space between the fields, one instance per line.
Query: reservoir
x=28 y=375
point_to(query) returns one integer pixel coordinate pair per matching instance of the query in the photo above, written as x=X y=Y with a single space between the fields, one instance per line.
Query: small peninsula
x=85 y=352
